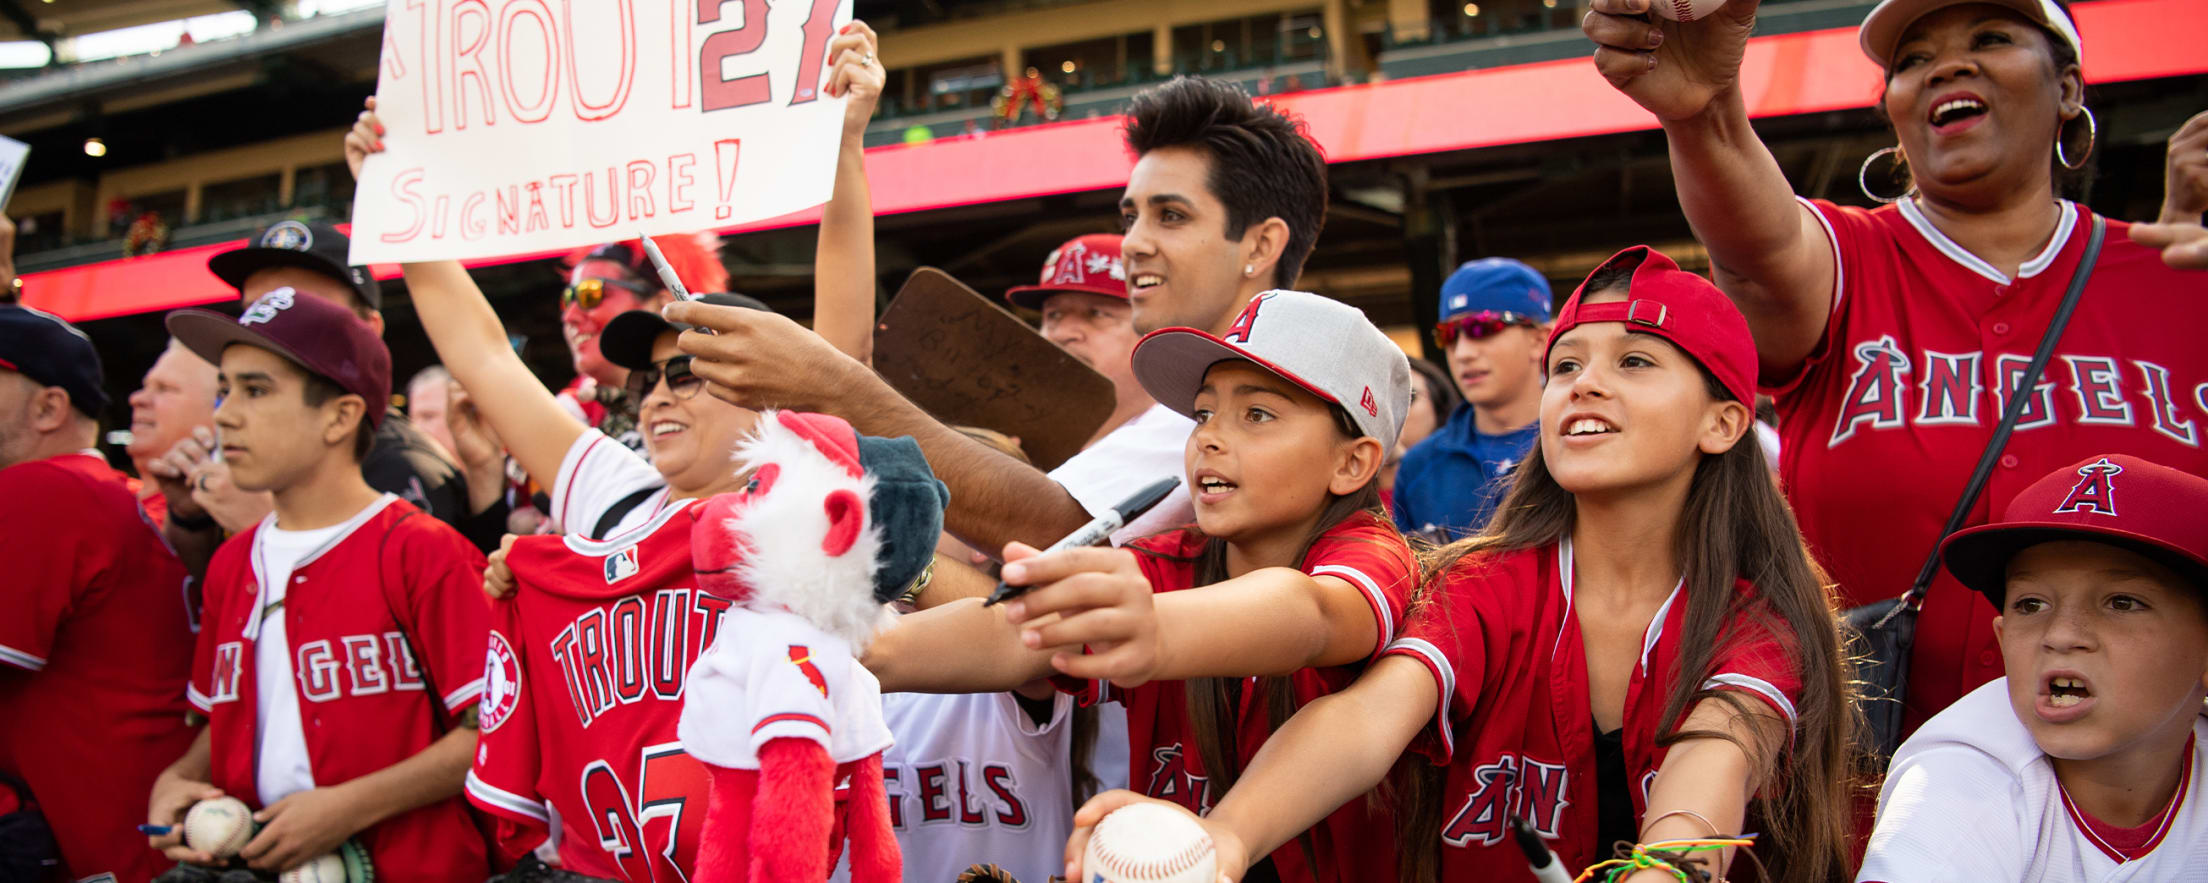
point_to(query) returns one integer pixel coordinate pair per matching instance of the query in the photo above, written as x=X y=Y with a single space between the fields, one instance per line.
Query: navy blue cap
x=308 y=245
x=51 y=352
x=1498 y=285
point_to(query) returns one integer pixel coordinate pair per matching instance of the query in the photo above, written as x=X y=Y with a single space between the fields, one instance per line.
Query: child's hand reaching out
x=1101 y=601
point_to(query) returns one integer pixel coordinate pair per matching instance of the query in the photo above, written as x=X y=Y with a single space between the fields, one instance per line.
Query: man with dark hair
x=1224 y=203
x=309 y=259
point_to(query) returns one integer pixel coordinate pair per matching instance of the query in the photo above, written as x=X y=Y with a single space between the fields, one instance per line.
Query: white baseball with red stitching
x=1149 y=843
x=1684 y=10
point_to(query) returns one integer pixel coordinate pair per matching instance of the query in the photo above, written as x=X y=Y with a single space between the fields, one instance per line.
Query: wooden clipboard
x=968 y=361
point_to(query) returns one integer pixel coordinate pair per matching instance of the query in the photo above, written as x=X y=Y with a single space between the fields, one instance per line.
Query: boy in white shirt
x=2082 y=764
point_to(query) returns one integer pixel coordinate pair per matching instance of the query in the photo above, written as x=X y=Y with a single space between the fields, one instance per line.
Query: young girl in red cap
x=1289 y=584
x=1637 y=649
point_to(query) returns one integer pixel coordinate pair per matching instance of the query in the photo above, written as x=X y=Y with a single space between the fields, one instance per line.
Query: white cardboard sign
x=524 y=126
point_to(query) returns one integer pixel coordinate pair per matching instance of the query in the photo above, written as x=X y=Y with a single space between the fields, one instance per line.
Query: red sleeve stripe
x=498 y=800
x=1380 y=612
x=789 y=717
x=1756 y=685
x=198 y=699
x=464 y=696
x=1445 y=677
x=20 y=659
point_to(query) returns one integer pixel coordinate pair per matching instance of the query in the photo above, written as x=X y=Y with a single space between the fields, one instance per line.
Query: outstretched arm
x=472 y=344
x=843 y=263
x=960 y=647
x=1770 y=253
x=1713 y=778
x=1356 y=735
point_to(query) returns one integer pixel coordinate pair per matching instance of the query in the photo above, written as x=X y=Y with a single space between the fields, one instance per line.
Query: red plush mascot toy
x=833 y=526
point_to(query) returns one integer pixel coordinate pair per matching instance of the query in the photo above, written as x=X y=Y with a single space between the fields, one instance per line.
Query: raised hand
x=1674 y=69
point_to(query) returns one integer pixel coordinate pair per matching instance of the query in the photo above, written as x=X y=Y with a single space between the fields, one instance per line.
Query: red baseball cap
x=1680 y=307
x=1085 y=263
x=317 y=335
x=2117 y=499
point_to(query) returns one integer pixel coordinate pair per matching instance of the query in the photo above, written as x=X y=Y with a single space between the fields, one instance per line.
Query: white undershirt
x=284 y=767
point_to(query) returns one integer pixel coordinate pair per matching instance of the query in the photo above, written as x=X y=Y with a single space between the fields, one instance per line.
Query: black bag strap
x=620 y=509
x=2009 y=415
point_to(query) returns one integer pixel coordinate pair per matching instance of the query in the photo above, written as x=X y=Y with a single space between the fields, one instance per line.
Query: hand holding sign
x=521 y=126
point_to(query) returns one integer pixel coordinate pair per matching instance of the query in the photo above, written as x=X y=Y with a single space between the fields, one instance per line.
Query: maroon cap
x=320 y=336
x=1088 y=264
x=2117 y=499
x=1680 y=307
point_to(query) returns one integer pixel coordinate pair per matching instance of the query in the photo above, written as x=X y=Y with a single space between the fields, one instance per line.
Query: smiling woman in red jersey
x=1892 y=338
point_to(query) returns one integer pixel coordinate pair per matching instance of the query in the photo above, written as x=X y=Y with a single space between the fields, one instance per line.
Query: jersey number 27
x=650 y=837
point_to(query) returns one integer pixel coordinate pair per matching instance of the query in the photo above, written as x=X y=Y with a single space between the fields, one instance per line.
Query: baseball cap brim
x=1031 y=297
x=1882 y=29
x=207 y=333
x=1171 y=363
x=1979 y=557
x=235 y=265
x=627 y=340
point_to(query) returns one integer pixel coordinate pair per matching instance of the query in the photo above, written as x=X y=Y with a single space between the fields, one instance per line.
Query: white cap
x=1323 y=345
x=1882 y=29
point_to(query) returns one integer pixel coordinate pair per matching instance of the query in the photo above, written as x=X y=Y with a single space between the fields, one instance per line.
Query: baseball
x=218 y=827
x=1149 y=843
x=320 y=869
x=1684 y=10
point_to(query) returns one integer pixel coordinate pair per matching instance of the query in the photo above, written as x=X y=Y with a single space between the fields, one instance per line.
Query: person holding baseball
x=1288 y=585
x=1637 y=651
x=1893 y=338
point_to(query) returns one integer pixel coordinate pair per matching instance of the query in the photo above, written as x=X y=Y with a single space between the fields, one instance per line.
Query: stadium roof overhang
x=1785 y=75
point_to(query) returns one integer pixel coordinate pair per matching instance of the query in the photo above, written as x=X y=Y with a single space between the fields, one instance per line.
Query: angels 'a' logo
x=265 y=309
x=621 y=565
x=288 y=235
x=1239 y=332
x=501 y=684
x=1069 y=266
x=2095 y=490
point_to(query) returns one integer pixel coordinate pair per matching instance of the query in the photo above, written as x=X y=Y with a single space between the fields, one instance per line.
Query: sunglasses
x=680 y=382
x=1485 y=323
x=589 y=293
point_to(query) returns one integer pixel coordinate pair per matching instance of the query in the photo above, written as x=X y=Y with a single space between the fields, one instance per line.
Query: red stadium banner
x=1785 y=75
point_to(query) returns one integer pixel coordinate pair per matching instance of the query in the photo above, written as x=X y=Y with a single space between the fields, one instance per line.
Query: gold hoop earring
x=1863 y=174
x=2092 y=135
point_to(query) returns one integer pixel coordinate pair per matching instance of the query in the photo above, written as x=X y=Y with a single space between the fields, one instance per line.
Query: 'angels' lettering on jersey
x=1511 y=786
x=1890 y=391
x=353 y=665
x=640 y=645
x=1172 y=781
x=955 y=790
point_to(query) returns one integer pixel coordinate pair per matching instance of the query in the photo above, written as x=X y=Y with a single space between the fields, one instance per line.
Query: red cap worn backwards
x=1680 y=307
x=313 y=333
x=2117 y=499
x=1087 y=264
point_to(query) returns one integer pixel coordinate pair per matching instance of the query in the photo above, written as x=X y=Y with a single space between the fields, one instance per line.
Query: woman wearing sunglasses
x=598 y=487
x=605 y=283
x=1494 y=317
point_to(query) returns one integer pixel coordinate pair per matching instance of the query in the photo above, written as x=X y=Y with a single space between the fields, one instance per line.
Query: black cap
x=51 y=352
x=627 y=340
x=308 y=245
x=907 y=505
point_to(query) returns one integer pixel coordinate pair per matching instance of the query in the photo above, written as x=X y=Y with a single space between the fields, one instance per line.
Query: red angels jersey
x=583 y=688
x=84 y=723
x=387 y=626
x=1926 y=343
x=1972 y=797
x=1354 y=843
x=1502 y=640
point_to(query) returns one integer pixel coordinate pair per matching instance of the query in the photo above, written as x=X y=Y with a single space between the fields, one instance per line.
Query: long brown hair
x=1213 y=703
x=1735 y=525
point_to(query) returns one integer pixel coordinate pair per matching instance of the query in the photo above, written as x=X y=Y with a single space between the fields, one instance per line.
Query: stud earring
x=1249 y=269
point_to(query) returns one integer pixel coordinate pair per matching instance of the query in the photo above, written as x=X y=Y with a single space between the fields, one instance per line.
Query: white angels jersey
x=772 y=675
x=1971 y=797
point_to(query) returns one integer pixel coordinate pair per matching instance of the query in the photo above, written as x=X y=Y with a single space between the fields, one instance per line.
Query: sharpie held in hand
x=1098 y=531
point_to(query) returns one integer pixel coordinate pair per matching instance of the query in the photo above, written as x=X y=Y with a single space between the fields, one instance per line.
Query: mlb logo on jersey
x=621 y=565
